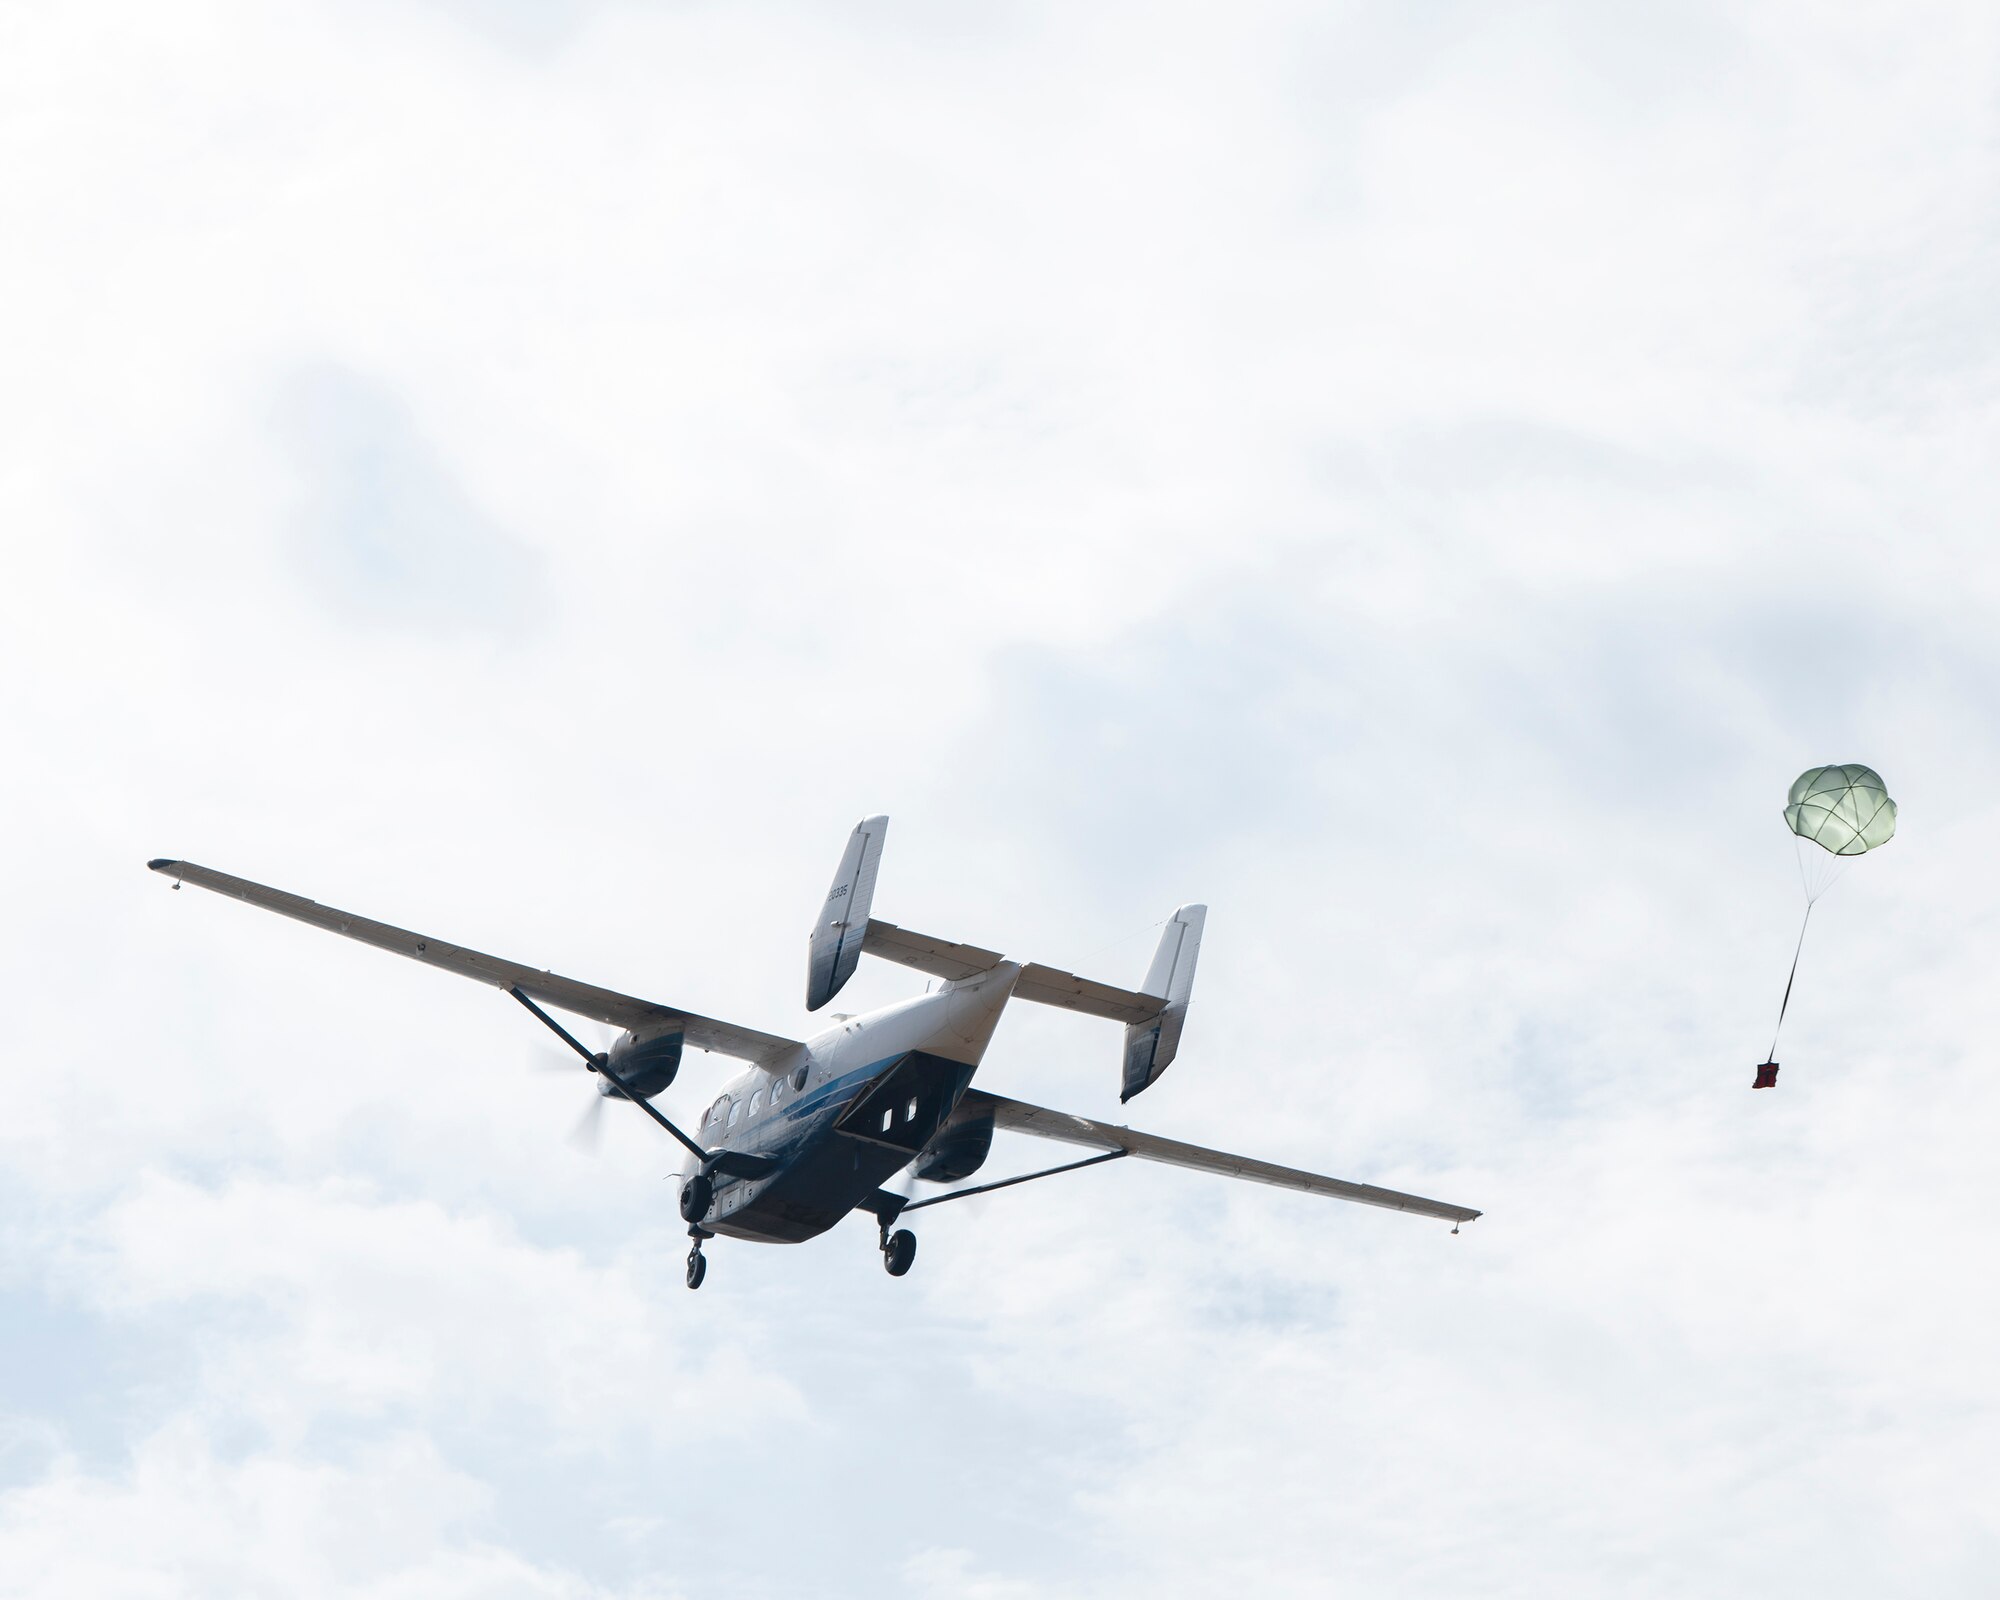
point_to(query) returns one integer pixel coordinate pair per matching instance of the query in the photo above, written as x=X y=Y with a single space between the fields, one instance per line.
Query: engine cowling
x=957 y=1150
x=646 y=1058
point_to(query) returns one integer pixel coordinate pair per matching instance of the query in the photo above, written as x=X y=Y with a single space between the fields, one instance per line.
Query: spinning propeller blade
x=588 y=1134
x=600 y=1061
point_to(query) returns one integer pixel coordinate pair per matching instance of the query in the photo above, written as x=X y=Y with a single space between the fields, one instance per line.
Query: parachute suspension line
x=1819 y=870
x=1772 y=1053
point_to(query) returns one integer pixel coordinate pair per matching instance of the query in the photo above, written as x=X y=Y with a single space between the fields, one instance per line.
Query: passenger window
x=757 y=1102
x=910 y=1111
x=888 y=1118
x=735 y=1113
x=799 y=1079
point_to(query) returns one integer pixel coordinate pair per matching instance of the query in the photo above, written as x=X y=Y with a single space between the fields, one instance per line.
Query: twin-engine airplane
x=815 y=1127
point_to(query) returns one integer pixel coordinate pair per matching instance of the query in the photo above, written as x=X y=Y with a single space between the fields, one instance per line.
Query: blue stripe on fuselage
x=826 y=1177
x=800 y=1119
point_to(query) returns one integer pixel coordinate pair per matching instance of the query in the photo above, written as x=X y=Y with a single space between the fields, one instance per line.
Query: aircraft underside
x=854 y=1139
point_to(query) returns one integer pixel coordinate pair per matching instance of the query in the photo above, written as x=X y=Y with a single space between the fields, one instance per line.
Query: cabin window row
x=736 y=1108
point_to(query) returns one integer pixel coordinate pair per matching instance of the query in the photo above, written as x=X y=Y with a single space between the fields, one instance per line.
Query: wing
x=1019 y=1117
x=584 y=999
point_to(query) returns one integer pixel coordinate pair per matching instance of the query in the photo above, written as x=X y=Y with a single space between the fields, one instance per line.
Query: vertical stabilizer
x=1150 y=1046
x=835 y=947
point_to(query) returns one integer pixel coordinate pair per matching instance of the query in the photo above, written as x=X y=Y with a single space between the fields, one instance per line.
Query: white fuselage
x=915 y=1057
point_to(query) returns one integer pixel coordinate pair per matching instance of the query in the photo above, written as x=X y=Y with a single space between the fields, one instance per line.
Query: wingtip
x=162 y=864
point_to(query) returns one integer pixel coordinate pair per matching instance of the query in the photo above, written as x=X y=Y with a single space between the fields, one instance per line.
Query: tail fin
x=835 y=948
x=1153 y=1016
x=1150 y=1046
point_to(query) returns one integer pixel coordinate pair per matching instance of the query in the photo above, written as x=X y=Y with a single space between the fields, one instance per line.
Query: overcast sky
x=1420 y=481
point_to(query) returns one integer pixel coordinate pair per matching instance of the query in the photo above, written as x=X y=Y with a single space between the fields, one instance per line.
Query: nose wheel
x=899 y=1251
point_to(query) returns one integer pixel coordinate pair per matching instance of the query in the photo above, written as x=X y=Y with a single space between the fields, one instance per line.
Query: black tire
x=697 y=1195
x=697 y=1268
x=899 y=1252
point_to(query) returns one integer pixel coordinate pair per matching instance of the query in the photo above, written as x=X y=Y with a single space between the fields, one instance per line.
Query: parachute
x=1845 y=811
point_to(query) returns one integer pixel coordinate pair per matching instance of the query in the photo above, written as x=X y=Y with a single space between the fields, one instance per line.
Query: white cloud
x=366 y=1308
x=1421 y=484
x=182 y=1519
x=951 y=1575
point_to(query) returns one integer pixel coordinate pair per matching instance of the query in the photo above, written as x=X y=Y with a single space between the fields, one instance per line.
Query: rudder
x=835 y=947
x=1150 y=1046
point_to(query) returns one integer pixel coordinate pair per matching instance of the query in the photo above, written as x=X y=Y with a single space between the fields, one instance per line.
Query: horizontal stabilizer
x=939 y=957
x=566 y=994
x=1046 y=986
x=1018 y=1117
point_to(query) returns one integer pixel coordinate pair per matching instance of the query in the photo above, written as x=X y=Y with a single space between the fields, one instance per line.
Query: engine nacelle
x=646 y=1058
x=957 y=1150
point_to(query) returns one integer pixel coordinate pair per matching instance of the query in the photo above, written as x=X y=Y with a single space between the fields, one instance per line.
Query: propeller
x=600 y=1061
x=586 y=1135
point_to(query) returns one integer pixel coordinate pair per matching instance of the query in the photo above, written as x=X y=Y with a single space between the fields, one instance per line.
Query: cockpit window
x=736 y=1113
x=757 y=1102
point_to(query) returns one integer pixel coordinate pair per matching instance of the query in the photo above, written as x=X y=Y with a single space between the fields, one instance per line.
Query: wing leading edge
x=1019 y=1117
x=566 y=994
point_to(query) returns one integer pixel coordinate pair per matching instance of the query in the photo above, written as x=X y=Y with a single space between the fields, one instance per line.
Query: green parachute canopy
x=1845 y=810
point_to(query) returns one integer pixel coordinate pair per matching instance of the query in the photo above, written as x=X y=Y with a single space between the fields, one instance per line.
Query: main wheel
x=697 y=1267
x=697 y=1195
x=899 y=1252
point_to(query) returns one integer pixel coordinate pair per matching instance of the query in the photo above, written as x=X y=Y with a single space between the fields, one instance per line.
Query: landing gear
x=899 y=1250
x=697 y=1195
x=697 y=1262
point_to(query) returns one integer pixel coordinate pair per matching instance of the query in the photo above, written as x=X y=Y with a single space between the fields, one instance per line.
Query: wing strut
x=888 y=1207
x=1016 y=1116
x=597 y=1061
